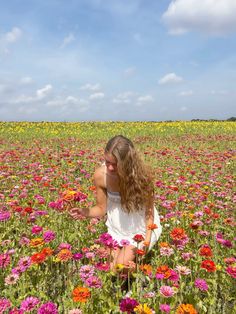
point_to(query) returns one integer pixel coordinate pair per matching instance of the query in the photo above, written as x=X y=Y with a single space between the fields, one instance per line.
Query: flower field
x=50 y=263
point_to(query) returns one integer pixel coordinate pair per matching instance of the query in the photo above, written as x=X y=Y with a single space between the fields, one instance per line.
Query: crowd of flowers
x=50 y=263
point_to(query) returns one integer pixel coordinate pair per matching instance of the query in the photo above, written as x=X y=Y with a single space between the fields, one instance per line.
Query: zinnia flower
x=231 y=271
x=29 y=304
x=64 y=255
x=4 y=260
x=81 y=294
x=178 y=234
x=209 y=265
x=138 y=238
x=75 y=311
x=4 y=304
x=11 y=279
x=48 y=308
x=164 y=308
x=167 y=291
x=93 y=282
x=128 y=305
x=186 y=309
x=38 y=258
x=201 y=284
x=143 y=309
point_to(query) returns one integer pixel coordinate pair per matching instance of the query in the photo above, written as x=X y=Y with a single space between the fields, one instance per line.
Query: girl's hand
x=75 y=213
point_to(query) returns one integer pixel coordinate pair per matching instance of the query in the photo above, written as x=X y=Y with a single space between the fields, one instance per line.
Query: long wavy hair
x=135 y=176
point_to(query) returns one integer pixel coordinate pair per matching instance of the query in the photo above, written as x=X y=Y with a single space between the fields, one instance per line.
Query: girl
x=125 y=192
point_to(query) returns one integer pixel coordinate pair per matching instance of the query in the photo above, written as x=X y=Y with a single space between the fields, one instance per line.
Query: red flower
x=178 y=234
x=38 y=258
x=138 y=238
x=205 y=250
x=209 y=265
x=140 y=252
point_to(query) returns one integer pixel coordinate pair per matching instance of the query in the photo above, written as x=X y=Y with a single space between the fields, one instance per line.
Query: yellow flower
x=143 y=309
x=218 y=267
x=36 y=242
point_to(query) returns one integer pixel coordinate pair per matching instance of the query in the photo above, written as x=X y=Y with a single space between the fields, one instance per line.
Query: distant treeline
x=207 y=120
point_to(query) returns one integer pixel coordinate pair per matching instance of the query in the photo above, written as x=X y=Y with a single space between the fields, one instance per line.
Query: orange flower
x=146 y=268
x=165 y=270
x=69 y=195
x=152 y=227
x=140 y=252
x=205 y=250
x=36 y=242
x=81 y=294
x=47 y=251
x=185 y=309
x=209 y=265
x=143 y=309
x=64 y=255
x=164 y=244
x=38 y=258
x=178 y=234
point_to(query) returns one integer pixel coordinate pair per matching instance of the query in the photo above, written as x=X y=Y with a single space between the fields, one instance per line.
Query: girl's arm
x=149 y=214
x=99 y=209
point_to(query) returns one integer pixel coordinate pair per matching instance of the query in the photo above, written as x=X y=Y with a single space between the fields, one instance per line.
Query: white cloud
x=170 y=78
x=130 y=71
x=13 y=35
x=144 y=100
x=186 y=93
x=216 y=17
x=123 y=98
x=26 y=80
x=97 y=96
x=183 y=108
x=91 y=87
x=8 y=39
x=67 y=40
x=43 y=92
x=219 y=92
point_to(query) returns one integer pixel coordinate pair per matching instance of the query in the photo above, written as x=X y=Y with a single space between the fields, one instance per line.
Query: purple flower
x=4 y=216
x=165 y=308
x=48 y=236
x=48 y=308
x=201 y=284
x=128 y=305
x=86 y=271
x=29 y=304
x=124 y=242
x=24 y=263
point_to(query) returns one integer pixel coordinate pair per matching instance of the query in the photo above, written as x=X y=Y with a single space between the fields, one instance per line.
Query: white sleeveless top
x=124 y=226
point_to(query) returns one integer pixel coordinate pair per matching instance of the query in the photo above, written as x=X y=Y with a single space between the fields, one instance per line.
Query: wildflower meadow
x=50 y=263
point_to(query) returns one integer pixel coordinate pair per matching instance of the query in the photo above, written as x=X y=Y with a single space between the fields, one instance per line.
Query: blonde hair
x=136 y=179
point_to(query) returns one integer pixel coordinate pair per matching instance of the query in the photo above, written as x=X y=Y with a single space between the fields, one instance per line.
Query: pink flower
x=29 y=304
x=164 y=308
x=201 y=284
x=231 y=271
x=93 y=282
x=36 y=229
x=4 y=260
x=4 y=304
x=167 y=291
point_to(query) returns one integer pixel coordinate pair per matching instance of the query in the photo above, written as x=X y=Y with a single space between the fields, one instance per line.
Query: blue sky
x=80 y=60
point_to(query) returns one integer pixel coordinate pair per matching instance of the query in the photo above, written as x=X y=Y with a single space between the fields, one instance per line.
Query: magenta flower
x=4 y=216
x=4 y=260
x=36 y=229
x=201 y=284
x=48 y=308
x=174 y=276
x=77 y=256
x=29 y=304
x=164 y=308
x=167 y=291
x=124 y=242
x=63 y=246
x=4 y=304
x=128 y=305
x=231 y=271
x=48 y=236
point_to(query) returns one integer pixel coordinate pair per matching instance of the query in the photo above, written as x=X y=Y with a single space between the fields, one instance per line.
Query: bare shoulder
x=98 y=176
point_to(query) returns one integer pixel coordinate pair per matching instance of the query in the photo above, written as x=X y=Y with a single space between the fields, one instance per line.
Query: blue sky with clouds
x=79 y=60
